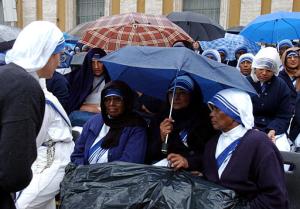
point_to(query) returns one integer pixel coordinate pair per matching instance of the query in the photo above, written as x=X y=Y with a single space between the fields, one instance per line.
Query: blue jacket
x=131 y=148
x=272 y=109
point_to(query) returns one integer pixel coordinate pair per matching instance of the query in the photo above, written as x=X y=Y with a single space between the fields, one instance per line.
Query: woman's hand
x=177 y=161
x=166 y=127
x=271 y=135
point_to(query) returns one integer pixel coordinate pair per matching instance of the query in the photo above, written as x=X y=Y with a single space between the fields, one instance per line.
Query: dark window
x=209 y=8
x=88 y=10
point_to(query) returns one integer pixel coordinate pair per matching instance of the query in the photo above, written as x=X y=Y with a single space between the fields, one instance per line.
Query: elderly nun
x=35 y=54
x=271 y=107
x=242 y=158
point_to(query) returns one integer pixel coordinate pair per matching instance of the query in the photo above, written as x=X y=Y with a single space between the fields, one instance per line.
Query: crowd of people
x=233 y=140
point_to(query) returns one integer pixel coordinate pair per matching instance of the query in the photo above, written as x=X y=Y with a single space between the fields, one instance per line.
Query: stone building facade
x=67 y=13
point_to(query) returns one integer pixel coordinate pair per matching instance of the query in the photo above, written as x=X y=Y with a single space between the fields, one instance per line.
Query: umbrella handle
x=164 y=146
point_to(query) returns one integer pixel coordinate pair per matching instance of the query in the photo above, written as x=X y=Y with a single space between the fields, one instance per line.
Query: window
x=209 y=8
x=88 y=10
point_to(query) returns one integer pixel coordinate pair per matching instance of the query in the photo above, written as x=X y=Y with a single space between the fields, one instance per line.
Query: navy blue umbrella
x=151 y=69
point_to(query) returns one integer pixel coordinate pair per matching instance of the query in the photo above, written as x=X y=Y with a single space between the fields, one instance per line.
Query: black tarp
x=120 y=185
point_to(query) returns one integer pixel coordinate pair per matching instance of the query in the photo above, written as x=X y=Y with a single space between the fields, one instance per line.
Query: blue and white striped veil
x=236 y=104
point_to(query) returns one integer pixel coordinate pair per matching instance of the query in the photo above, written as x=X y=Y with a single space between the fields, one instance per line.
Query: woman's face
x=114 y=106
x=292 y=62
x=220 y=121
x=97 y=67
x=50 y=67
x=263 y=75
x=181 y=98
x=245 y=67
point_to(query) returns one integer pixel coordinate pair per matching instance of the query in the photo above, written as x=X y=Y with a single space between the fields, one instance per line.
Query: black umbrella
x=235 y=30
x=198 y=26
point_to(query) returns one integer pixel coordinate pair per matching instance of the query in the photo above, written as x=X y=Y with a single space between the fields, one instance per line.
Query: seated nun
x=242 y=158
x=187 y=130
x=116 y=134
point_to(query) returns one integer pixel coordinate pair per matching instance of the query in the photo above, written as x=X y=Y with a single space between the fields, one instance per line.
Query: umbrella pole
x=164 y=146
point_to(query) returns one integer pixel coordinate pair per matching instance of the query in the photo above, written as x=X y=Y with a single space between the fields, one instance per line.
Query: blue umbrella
x=231 y=42
x=151 y=69
x=274 y=27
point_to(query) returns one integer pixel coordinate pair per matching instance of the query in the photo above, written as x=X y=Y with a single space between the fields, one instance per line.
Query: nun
x=245 y=63
x=242 y=158
x=271 y=107
x=212 y=54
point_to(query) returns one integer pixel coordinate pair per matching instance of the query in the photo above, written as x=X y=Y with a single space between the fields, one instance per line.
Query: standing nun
x=242 y=158
x=35 y=54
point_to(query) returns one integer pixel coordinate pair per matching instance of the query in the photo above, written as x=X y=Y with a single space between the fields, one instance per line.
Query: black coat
x=22 y=104
x=271 y=109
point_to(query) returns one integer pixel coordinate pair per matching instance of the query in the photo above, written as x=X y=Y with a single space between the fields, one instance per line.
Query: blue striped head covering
x=224 y=51
x=241 y=48
x=214 y=54
x=97 y=56
x=292 y=53
x=60 y=46
x=113 y=92
x=284 y=43
x=184 y=82
x=236 y=104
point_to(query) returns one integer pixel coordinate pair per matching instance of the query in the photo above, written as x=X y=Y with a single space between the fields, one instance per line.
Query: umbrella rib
x=291 y=27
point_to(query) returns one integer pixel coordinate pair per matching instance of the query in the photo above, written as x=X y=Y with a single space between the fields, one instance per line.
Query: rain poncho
x=266 y=58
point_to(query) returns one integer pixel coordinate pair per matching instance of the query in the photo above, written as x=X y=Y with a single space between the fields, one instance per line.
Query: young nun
x=242 y=158
x=244 y=63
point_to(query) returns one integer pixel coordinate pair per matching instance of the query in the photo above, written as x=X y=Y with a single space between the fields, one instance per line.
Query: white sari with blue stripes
x=96 y=153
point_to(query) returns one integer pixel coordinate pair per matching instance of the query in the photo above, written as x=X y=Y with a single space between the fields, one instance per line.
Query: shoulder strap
x=48 y=102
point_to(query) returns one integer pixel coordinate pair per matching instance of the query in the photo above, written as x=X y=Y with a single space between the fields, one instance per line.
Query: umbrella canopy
x=8 y=33
x=113 y=32
x=79 y=30
x=151 y=69
x=274 y=27
x=231 y=42
x=198 y=26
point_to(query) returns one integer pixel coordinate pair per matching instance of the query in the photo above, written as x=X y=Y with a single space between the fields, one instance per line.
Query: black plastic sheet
x=120 y=185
